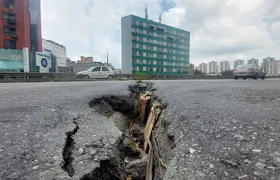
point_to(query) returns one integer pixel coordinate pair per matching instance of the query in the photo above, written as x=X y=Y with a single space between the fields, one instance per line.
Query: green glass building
x=153 y=48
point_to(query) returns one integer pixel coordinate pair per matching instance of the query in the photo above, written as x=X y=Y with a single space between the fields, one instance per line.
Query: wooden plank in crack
x=149 y=171
x=149 y=127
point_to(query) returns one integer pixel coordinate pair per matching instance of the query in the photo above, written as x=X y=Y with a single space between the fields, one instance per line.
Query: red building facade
x=20 y=25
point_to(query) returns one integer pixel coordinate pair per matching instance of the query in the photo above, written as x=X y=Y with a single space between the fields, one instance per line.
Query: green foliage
x=141 y=76
x=53 y=62
x=229 y=73
x=197 y=72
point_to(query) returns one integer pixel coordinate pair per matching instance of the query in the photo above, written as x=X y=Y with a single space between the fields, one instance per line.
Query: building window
x=8 y=3
x=6 y=30
x=5 y=15
x=10 y=44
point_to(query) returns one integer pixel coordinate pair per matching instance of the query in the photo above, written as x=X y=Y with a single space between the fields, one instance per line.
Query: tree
x=53 y=63
x=197 y=72
x=228 y=72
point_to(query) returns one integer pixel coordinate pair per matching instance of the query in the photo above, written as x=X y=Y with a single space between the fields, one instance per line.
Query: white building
x=57 y=49
x=277 y=67
x=203 y=67
x=213 y=67
x=224 y=65
x=238 y=62
x=269 y=65
x=253 y=61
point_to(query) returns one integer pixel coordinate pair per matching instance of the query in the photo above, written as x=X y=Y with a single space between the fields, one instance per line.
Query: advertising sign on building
x=43 y=60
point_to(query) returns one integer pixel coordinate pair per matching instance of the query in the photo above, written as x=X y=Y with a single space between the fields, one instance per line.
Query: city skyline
x=270 y=65
x=236 y=41
x=202 y=47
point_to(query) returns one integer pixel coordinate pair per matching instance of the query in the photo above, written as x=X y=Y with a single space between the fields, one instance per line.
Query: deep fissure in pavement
x=142 y=149
x=67 y=150
x=133 y=160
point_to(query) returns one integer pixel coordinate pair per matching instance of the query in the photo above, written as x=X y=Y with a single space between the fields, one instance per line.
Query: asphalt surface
x=223 y=129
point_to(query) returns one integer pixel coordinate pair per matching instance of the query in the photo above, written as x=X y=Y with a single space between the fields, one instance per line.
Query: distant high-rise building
x=224 y=66
x=238 y=62
x=253 y=61
x=277 y=67
x=213 y=67
x=203 y=68
x=269 y=65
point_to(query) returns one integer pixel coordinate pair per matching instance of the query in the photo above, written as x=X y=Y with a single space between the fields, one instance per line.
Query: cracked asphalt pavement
x=222 y=129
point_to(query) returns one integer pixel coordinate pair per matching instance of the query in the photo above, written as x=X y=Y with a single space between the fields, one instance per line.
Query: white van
x=97 y=72
x=248 y=71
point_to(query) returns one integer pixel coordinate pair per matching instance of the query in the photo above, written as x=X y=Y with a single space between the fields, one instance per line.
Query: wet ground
x=222 y=129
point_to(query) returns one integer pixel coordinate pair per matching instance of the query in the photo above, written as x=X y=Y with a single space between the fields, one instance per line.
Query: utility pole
x=146 y=12
x=107 y=59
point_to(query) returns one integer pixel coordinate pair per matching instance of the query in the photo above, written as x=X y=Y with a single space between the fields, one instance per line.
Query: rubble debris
x=143 y=101
x=129 y=114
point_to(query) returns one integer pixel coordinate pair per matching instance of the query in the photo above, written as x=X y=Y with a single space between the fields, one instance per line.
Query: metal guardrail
x=34 y=76
x=40 y=77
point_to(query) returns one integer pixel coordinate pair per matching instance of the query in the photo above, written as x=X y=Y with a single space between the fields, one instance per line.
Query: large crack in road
x=143 y=147
x=67 y=150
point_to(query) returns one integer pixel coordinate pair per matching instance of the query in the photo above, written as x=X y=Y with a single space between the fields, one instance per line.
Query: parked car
x=248 y=71
x=97 y=72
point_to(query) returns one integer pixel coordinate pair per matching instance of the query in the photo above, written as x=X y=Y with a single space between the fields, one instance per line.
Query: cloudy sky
x=220 y=29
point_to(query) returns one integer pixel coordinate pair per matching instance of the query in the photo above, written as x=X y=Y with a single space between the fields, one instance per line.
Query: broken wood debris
x=144 y=99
